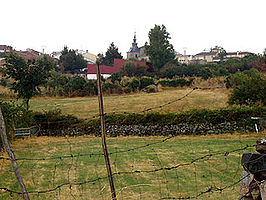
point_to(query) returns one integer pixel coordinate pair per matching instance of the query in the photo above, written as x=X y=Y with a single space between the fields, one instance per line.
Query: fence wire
x=173 y=167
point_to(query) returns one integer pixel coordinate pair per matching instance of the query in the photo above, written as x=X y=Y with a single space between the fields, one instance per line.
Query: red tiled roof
x=28 y=54
x=103 y=68
x=2 y=47
x=118 y=63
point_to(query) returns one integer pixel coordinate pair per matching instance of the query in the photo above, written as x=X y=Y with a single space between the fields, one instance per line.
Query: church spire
x=135 y=39
x=134 y=50
x=134 y=47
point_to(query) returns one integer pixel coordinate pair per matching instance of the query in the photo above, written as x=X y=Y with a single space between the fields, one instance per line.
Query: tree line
x=29 y=75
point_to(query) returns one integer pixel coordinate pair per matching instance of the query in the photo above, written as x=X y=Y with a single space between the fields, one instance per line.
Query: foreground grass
x=84 y=107
x=146 y=172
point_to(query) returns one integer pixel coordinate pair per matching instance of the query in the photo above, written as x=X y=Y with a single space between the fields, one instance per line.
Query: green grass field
x=143 y=170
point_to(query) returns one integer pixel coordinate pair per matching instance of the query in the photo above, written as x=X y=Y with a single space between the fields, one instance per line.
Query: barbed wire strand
x=71 y=183
x=201 y=158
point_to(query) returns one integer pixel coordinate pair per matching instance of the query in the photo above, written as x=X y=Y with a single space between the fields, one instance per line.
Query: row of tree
x=159 y=50
x=29 y=75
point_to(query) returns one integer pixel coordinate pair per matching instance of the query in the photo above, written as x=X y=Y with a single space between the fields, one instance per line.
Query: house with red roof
x=29 y=54
x=107 y=71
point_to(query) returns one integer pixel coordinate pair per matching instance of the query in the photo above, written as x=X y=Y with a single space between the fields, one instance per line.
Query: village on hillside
x=135 y=54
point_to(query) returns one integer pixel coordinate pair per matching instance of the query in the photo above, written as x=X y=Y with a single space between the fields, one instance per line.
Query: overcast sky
x=93 y=24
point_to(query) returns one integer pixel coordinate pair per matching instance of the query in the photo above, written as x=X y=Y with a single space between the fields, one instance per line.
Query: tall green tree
x=159 y=49
x=71 y=61
x=111 y=53
x=28 y=75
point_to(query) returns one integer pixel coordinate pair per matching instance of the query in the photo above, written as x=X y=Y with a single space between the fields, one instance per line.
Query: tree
x=249 y=87
x=110 y=55
x=132 y=69
x=159 y=49
x=222 y=54
x=27 y=75
x=116 y=77
x=71 y=61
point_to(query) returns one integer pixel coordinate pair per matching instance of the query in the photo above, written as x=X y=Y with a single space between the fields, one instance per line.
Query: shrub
x=110 y=88
x=230 y=114
x=152 y=89
x=134 y=85
x=170 y=71
x=127 y=90
x=54 y=123
x=3 y=82
x=144 y=82
x=132 y=69
x=116 y=77
x=15 y=116
x=62 y=85
x=249 y=87
x=176 y=82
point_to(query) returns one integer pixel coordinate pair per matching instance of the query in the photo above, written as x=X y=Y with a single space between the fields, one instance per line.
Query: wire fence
x=172 y=167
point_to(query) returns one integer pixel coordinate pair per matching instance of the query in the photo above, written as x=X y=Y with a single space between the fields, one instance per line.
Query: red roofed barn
x=107 y=71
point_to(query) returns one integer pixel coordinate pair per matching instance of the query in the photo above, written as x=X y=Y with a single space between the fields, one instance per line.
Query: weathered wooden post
x=103 y=130
x=12 y=157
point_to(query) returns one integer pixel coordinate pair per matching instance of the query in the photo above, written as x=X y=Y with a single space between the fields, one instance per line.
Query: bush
x=3 y=82
x=116 y=77
x=109 y=88
x=144 y=82
x=134 y=85
x=170 y=70
x=62 y=85
x=15 y=116
x=230 y=114
x=127 y=90
x=54 y=123
x=176 y=82
x=131 y=69
x=249 y=87
x=152 y=89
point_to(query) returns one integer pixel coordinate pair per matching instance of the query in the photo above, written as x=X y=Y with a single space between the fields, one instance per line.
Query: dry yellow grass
x=84 y=107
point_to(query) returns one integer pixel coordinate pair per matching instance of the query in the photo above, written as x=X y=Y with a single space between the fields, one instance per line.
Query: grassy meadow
x=85 y=107
x=144 y=167
x=140 y=169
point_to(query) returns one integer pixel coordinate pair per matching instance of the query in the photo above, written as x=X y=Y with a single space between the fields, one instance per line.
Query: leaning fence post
x=12 y=157
x=103 y=128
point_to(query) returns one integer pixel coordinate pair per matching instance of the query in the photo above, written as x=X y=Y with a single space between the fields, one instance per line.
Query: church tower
x=134 y=50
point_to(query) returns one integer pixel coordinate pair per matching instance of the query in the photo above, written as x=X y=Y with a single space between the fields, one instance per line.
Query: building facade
x=214 y=55
x=136 y=52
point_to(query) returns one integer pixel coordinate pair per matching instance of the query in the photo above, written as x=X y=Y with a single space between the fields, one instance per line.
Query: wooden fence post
x=12 y=157
x=103 y=130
